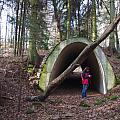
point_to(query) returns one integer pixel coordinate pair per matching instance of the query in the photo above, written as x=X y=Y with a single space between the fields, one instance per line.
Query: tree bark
x=79 y=60
x=57 y=17
x=33 y=55
x=94 y=24
x=68 y=18
x=79 y=18
x=117 y=39
x=112 y=34
x=21 y=48
x=16 y=27
x=19 y=30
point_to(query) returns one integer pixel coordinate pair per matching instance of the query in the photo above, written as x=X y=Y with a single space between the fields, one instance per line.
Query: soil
x=63 y=104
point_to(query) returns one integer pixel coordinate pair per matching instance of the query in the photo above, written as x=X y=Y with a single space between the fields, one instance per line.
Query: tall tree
x=1 y=7
x=116 y=29
x=16 y=27
x=57 y=17
x=94 y=24
x=12 y=21
x=33 y=32
x=79 y=1
x=21 y=45
x=6 y=32
x=68 y=18
x=19 y=30
x=112 y=35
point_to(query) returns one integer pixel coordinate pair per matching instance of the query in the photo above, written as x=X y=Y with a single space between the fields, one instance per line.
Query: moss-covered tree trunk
x=88 y=20
x=16 y=27
x=79 y=17
x=19 y=30
x=94 y=24
x=0 y=30
x=57 y=17
x=33 y=33
x=68 y=18
x=21 y=45
x=112 y=35
x=117 y=39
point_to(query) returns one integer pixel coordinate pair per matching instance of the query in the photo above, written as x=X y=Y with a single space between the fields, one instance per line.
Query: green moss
x=30 y=111
x=83 y=104
x=99 y=102
x=112 y=97
x=30 y=70
x=43 y=77
x=117 y=80
x=30 y=66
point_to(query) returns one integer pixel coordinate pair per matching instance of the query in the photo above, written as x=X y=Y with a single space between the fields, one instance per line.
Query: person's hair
x=87 y=69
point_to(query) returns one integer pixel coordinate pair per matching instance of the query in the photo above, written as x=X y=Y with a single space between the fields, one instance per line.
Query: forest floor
x=64 y=104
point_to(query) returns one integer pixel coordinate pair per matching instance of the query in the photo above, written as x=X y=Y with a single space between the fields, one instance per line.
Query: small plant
x=99 y=102
x=30 y=68
x=112 y=97
x=30 y=111
x=83 y=104
x=117 y=79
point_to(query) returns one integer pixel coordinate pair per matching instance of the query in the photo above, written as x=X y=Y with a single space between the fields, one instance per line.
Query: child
x=85 y=75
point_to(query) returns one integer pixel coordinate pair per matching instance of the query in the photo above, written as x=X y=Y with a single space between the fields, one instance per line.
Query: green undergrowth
x=117 y=80
x=112 y=97
x=83 y=104
x=30 y=111
x=102 y=101
x=99 y=101
x=30 y=68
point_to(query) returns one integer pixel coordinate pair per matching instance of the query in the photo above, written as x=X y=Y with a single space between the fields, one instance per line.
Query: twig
x=8 y=98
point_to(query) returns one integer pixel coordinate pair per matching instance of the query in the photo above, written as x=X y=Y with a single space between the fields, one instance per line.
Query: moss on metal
x=49 y=61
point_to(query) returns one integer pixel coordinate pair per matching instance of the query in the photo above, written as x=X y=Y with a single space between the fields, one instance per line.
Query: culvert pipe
x=66 y=52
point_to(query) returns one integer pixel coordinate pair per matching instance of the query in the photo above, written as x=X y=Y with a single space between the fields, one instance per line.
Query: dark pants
x=84 y=90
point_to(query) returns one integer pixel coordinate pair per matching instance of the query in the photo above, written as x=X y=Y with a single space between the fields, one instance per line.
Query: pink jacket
x=86 y=79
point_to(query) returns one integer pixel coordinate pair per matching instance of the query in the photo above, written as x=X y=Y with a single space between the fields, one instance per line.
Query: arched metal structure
x=65 y=53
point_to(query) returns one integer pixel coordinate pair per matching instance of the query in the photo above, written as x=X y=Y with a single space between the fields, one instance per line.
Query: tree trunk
x=117 y=38
x=79 y=17
x=19 y=31
x=0 y=31
x=33 y=33
x=22 y=30
x=12 y=27
x=16 y=28
x=88 y=14
x=6 y=33
x=68 y=18
x=1 y=8
x=112 y=35
x=94 y=24
x=57 y=17
x=79 y=60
